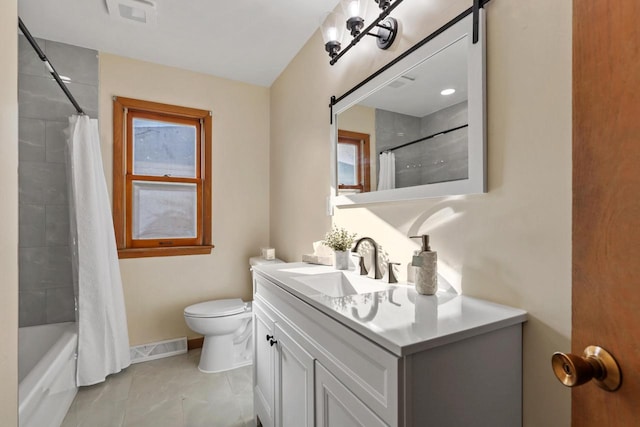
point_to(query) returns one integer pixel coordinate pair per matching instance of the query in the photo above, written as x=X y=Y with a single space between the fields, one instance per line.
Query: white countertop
x=396 y=317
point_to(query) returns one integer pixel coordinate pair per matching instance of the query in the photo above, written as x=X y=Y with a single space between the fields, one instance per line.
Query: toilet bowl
x=226 y=327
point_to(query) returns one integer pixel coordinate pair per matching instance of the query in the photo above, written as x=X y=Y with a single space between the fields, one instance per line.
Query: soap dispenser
x=426 y=263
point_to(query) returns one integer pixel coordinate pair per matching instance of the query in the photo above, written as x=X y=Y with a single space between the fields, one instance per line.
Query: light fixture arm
x=376 y=23
x=384 y=27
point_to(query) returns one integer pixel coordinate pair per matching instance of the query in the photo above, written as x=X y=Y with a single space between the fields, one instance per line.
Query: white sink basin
x=340 y=284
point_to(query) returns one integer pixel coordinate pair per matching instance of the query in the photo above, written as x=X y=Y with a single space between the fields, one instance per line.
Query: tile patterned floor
x=167 y=392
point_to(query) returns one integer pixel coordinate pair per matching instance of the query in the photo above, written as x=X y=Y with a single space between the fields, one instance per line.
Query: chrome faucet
x=376 y=268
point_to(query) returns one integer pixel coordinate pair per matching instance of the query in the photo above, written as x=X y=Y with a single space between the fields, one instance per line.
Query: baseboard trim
x=158 y=350
x=194 y=343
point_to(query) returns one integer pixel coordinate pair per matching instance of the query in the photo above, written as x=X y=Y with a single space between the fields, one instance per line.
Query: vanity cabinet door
x=336 y=406
x=263 y=367
x=294 y=381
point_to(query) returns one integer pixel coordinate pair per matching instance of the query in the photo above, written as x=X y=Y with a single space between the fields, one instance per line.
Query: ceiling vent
x=136 y=11
x=401 y=81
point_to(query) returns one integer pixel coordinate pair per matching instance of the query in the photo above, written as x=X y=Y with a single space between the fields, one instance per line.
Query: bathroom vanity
x=333 y=348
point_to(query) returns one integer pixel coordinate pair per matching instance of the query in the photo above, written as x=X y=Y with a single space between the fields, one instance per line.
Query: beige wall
x=9 y=216
x=158 y=289
x=363 y=120
x=511 y=245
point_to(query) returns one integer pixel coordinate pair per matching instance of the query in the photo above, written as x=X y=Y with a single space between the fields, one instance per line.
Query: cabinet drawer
x=366 y=369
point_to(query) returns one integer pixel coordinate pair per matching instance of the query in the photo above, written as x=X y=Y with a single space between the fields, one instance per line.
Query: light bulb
x=354 y=9
x=332 y=33
x=446 y=92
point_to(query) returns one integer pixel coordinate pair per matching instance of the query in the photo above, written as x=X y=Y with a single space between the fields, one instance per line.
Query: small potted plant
x=340 y=240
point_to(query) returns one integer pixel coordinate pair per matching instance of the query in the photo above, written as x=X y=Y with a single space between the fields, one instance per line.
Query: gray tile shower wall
x=437 y=160
x=46 y=282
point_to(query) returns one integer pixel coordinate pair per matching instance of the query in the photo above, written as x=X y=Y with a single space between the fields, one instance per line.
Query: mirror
x=415 y=129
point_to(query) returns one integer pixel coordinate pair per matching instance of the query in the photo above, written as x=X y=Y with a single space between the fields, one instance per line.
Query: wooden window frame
x=361 y=140
x=124 y=110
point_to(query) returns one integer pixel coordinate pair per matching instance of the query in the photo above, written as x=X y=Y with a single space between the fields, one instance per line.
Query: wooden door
x=606 y=202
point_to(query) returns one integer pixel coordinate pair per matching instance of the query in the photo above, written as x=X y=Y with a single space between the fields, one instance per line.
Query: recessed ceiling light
x=446 y=92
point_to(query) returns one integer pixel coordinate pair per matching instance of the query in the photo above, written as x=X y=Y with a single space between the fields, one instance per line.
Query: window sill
x=165 y=251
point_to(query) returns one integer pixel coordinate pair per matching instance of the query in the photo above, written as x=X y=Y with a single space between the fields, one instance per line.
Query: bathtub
x=47 y=373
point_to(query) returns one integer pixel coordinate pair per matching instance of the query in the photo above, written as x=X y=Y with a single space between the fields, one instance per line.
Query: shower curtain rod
x=47 y=64
x=424 y=139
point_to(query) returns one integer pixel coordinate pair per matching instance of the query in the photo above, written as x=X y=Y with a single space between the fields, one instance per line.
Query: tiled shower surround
x=441 y=159
x=46 y=283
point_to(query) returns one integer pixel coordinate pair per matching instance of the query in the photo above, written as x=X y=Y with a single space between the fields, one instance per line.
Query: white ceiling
x=417 y=92
x=246 y=40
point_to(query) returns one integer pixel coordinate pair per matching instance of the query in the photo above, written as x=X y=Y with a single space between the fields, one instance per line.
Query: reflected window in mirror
x=354 y=160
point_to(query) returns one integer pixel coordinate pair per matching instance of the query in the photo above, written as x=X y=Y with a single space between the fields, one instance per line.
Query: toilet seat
x=217 y=308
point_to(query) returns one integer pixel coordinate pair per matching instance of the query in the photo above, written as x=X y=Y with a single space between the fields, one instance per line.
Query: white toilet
x=226 y=327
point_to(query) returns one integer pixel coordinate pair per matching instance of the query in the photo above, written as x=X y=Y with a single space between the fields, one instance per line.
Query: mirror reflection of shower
x=417 y=127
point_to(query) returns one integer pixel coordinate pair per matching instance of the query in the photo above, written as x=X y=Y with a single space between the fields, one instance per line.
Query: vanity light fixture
x=446 y=92
x=354 y=21
x=387 y=26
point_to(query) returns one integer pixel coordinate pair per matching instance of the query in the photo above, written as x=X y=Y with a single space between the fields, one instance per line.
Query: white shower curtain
x=103 y=341
x=387 y=173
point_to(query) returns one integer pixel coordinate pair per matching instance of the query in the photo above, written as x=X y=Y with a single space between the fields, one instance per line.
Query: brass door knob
x=595 y=364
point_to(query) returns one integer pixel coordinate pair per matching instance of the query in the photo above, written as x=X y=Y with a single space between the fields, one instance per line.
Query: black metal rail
x=424 y=138
x=47 y=64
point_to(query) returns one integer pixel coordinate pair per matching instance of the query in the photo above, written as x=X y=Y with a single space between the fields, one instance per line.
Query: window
x=354 y=174
x=161 y=179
